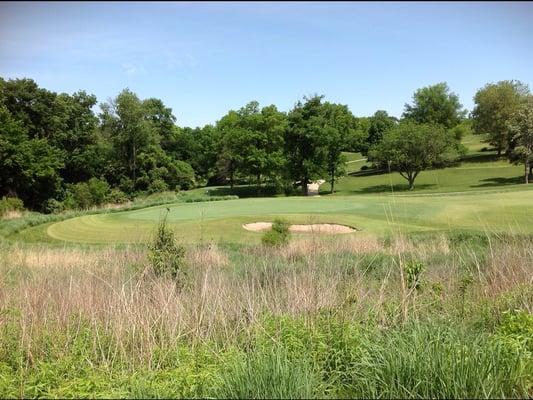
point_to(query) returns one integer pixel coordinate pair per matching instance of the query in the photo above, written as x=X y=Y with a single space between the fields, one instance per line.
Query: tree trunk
x=231 y=178
x=304 y=186
x=411 y=182
x=526 y=170
x=332 y=183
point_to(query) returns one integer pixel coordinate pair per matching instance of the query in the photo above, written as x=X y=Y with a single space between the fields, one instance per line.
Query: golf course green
x=222 y=221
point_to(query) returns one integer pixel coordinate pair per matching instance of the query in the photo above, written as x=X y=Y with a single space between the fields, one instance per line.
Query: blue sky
x=203 y=59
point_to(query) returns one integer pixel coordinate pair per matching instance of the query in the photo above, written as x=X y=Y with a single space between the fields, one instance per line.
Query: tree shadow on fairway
x=481 y=158
x=246 y=191
x=368 y=172
x=499 y=181
x=395 y=188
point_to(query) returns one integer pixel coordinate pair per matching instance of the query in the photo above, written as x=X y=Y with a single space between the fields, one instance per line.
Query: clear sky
x=203 y=59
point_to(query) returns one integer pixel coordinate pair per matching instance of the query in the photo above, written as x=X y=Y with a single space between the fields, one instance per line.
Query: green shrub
x=166 y=256
x=10 y=204
x=157 y=186
x=99 y=190
x=53 y=206
x=413 y=272
x=88 y=194
x=182 y=176
x=117 y=196
x=278 y=235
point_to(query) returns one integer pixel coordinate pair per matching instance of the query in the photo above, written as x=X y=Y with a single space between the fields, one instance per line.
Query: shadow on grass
x=396 y=188
x=368 y=172
x=247 y=191
x=499 y=181
x=481 y=158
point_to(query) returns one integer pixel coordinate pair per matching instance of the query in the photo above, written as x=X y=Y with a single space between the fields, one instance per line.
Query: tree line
x=57 y=153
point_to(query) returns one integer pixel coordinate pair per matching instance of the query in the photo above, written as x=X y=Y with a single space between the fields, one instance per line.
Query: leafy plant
x=279 y=234
x=413 y=271
x=166 y=255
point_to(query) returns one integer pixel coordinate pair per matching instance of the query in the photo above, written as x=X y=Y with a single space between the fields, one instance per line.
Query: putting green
x=371 y=214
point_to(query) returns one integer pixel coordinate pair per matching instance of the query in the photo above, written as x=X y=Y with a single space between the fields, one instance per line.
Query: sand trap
x=310 y=228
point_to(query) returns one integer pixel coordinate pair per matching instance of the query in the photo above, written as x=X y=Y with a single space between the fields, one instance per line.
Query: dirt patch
x=310 y=228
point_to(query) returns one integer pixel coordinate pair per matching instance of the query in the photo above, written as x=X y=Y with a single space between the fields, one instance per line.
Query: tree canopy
x=57 y=153
x=411 y=148
x=435 y=104
x=495 y=103
x=521 y=127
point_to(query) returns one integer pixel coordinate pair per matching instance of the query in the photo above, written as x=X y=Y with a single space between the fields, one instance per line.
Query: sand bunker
x=310 y=228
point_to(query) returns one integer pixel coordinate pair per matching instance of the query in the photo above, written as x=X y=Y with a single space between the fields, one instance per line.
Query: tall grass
x=317 y=318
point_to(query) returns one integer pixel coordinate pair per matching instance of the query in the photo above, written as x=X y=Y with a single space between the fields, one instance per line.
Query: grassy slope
x=221 y=221
x=480 y=170
x=374 y=203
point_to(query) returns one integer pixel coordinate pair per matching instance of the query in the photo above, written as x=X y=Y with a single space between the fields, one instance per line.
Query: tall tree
x=435 y=104
x=494 y=105
x=30 y=166
x=77 y=137
x=36 y=108
x=521 y=127
x=306 y=142
x=379 y=124
x=125 y=121
x=411 y=148
x=340 y=124
x=252 y=142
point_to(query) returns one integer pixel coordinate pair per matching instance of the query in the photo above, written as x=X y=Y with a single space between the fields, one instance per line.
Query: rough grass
x=319 y=318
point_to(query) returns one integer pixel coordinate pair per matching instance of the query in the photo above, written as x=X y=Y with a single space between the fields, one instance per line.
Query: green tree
x=316 y=135
x=340 y=124
x=252 y=142
x=77 y=137
x=126 y=124
x=521 y=127
x=435 y=104
x=231 y=152
x=36 y=108
x=379 y=124
x=306 y=142
x=30 y=166
x=410 y=148
x=494 y=105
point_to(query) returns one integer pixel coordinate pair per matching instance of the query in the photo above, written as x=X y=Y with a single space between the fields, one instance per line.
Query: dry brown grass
x=114 y=290
x=13 y=214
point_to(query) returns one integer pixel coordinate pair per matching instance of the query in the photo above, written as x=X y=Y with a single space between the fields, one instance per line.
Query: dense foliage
x=494 y=106
x=56 y=153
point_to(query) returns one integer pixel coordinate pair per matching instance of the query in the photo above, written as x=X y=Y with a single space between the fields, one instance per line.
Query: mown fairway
x=222 y=221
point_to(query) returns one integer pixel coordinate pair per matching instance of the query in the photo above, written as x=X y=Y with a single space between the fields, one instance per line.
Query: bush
x=117 y=196
x=279 y=234
x=10 y=204
x=53 y=206
x=84 y=195
x=99 y=190
x=157 y=186
x=182 y=176
x=166 y=256
x=365 y=167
